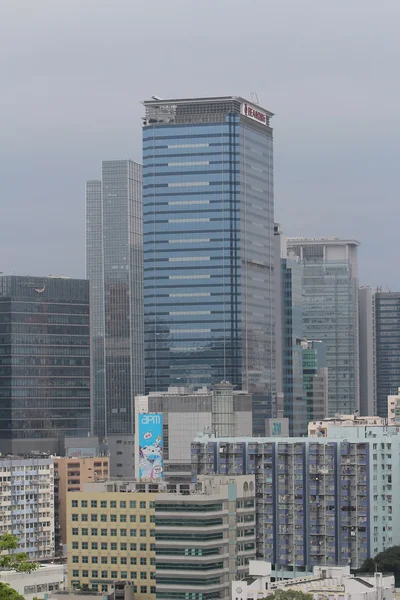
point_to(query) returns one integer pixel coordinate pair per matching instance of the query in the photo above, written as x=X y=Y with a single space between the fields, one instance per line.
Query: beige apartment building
x=111 y=538
x=70 y=474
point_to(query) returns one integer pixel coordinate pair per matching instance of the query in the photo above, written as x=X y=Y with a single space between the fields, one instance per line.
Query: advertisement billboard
x=150 y=446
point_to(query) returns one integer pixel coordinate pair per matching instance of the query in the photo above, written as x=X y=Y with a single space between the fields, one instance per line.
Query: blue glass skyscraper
x=208 y=244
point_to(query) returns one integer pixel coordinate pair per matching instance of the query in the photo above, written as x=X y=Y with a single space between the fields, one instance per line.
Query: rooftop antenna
x=254 y=98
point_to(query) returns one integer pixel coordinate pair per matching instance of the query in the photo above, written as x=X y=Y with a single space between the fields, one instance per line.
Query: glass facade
x=294 y=403
x=315 y=380
x=114 y=266
x=208 y=229
x=387 y=347
x=330 y=313
x=44 y=358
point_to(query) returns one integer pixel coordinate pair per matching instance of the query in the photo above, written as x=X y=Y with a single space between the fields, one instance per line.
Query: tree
x=8 y=593
x=288 y=595
x=387 y=561
x=15 y=561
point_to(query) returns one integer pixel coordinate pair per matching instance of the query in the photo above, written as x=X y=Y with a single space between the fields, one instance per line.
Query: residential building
x=44 y=362
x=366 y=309
x=330 y=312
x=315 y=379
x=111 y=538
x=208 y=246
x=334 y=582
x=387 y=347
x=321 y=501
x=114 y=267
x=46 y=579
x=188 y=413
x=394 y=409
x=205 y=539
x=70 y=474
x=27 y=503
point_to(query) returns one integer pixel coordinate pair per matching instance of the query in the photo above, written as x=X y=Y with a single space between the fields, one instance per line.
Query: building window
x=143 y=532
x=93 y=531
x=113 y=518
x=124 y=574
x=143 y=574
x=93 y=503
x=113 y=546
x=133 y=575
x=94 y=560
x=123 y=546
x=114 y=574
x=75 y=559
x=103 y=532
x=143 y=518
x=74 y=517
x=143 y=504
x=113 y=560
x=85 y=559
x=104 y=574
x=132 y=532
x=93 y=517
x=95 y=573
x=104 y=545
x=122 y=504
x=143 y=560
x=75 y=531
x=84 y=503
x=103 y=503
x=122 y=518
x=85 y=531
x=104 y=586
x=132 y=518
x=132 y=504
x=133 y=560
x=75 y=545
x=133 y=547
x=103 y=518
x=84 y=517
x=85 y=545
x=85 y=573
x=123 y=560
x=75 y=573
x=152 y=589
x=113 y=504
x=143 y=589
x=143 y=547
x=74 y=503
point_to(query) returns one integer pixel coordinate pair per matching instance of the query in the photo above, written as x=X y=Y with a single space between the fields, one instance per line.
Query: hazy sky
x=74 y=71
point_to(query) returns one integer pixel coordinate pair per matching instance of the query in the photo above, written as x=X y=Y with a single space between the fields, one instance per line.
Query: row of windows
x=114 y=546
x=112 y=518
x=112 y=574
x=113 y=504
x=113 y=532
x=114 y=560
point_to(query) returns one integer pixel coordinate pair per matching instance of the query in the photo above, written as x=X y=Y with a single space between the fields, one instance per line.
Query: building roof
x=330 y=241
x=155 y=101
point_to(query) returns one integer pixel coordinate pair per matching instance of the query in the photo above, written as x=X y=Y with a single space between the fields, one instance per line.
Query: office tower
x=330 y=312
x=315 y=379
x=187 y=413
x=111 y=538
x=70 y=474
x=45 y=364
x=366 y=310
x=206 y=539
x=114 y=267
x=394 y=409
x=316 y=505
x=208 y=245
x=27 y=503
x=387 y=347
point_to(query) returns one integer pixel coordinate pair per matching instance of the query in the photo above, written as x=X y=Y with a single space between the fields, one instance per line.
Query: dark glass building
x=114 y=266
x=208 y=245
x=387 y=348
x=44 y=362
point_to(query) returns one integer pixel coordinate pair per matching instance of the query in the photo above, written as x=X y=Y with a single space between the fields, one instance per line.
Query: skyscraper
x=330 y=312
x=387 y=348
x=208 y=245
x=366 y=313
x=114 y=266
x=44 y=362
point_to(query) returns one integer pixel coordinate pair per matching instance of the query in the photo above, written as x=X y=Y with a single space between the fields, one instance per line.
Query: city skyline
x=332 y=157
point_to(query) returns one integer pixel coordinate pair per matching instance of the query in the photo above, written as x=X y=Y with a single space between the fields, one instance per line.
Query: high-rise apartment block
x=27 y=503
x=114 y=267
x=70 y=475
x=330 y=312
x=366 y=312
x=188 y=413
x=44 y=362
x=208 y=245
x=322 y=501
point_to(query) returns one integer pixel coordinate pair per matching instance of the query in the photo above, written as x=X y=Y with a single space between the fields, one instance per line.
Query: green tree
x=12 y=560
x=288 y=595
x=387 y=561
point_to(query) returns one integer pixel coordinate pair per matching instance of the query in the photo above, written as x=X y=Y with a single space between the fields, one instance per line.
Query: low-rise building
x=328 y=427
x=70 y=474
x=335 y=583
x=394 y=409
x=27 y=503
x=44 y=580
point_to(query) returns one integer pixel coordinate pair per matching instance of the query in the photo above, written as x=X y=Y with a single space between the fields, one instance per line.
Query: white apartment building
x=27 y=503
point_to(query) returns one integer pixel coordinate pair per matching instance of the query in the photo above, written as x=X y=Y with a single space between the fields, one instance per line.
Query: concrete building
x=335 y=583
x=188 y=413
x=330 y=312
x=111 y=538
x=394 y=409
x=27 y=503
x=114 y=267
x=44 y=580
x=70 y=474
x=366 y=312
x=387 y=347
x=44 y=363
x=322 y=501
x=208 y=245
x=330 y=426
x=205 y=539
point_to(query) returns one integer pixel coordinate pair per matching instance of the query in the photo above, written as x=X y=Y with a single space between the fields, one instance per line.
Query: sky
x=73 y=73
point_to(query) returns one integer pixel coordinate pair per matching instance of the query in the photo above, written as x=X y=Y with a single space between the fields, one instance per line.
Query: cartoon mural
x=150 y=446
